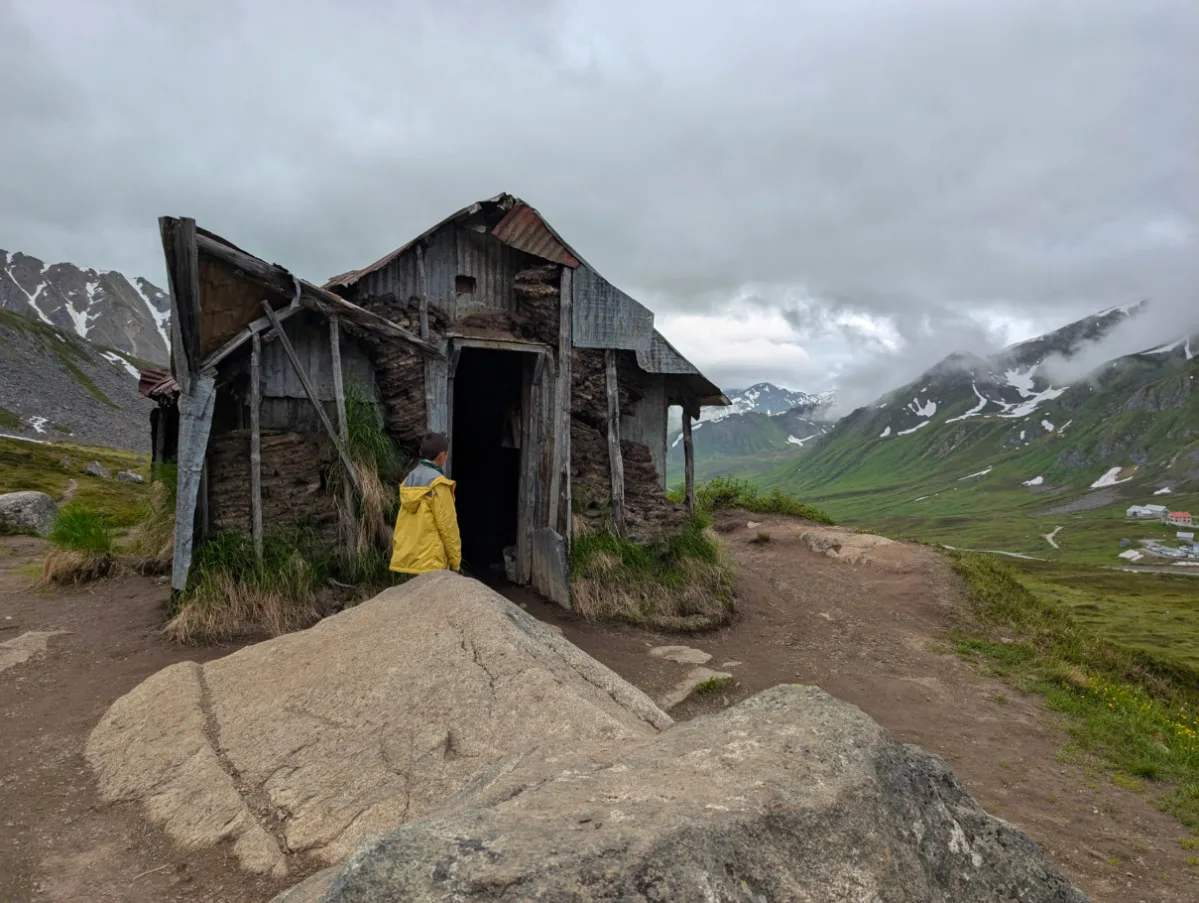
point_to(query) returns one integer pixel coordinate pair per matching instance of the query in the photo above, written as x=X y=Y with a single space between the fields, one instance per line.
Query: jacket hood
x=418 y=484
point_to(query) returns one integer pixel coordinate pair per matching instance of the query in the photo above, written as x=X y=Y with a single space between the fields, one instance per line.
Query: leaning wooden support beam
x=689 y=462
x=342 y=451
x=195 y=421
x=339 y=397
x=615 y=457
x=256 y=443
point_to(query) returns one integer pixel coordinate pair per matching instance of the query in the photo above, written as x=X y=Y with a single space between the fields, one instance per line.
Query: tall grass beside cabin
x=151 y=544
x=682 y=582
x=1134 y=712
x=379 y=464
x=231 y=595
x=83 y=546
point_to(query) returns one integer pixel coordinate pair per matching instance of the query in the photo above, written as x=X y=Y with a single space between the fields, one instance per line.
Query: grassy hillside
x=37 y=466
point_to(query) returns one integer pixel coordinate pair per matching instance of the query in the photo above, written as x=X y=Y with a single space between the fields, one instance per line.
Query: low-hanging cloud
x=924 y=174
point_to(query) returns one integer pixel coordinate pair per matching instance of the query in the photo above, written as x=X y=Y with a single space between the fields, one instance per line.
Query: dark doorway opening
x=485 y=458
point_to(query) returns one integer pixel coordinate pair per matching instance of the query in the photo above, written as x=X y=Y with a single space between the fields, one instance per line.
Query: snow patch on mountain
x=114 y=358
x=983 y=401
x=1111 y=478
x=920 y=425
x=1035 y=481
x=885 y=433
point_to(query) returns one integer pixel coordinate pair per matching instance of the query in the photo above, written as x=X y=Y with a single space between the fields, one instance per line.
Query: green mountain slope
x=987 y=453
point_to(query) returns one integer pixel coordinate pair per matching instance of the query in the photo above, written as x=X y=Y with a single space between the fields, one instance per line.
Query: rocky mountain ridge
x=102 y=306
x=1036 y=409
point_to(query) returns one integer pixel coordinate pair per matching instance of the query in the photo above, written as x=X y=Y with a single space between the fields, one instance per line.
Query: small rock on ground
x=96 y=469
x=684 y=655
x=126 y=476
x=688 y=684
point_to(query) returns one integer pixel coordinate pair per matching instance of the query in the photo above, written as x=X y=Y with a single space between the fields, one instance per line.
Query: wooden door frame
x=534 y=384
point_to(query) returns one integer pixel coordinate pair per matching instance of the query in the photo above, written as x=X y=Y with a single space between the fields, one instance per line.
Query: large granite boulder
x=310 y=742
x=27 y=512
x=789 y=796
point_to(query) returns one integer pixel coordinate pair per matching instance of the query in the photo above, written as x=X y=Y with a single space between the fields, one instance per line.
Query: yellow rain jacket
x=426 y=535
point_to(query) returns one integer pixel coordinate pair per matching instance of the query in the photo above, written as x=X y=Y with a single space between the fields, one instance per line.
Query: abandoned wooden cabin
x=552 y=384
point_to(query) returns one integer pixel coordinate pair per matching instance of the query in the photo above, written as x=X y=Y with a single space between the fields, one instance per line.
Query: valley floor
x=868 y=631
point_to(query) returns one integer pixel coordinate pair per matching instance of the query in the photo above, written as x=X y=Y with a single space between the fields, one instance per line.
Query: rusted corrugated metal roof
x=524 y=229
x=521 y=227
x=156 y=384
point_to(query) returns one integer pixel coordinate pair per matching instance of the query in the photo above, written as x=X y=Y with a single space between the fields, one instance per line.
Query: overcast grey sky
x=811 y=191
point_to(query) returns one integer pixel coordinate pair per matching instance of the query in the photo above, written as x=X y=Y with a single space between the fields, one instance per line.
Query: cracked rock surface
x=791 y=797
x=309 y=743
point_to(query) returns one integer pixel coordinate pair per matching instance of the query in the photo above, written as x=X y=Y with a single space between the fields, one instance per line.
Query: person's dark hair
x=432 y=445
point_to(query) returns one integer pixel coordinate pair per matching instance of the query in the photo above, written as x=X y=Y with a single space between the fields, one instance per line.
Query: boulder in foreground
x=310 y=742
x=789 y=796
x=27 y=512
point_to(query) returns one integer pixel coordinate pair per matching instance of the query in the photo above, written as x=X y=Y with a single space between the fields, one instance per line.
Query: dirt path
x=865 y=631
x=58 y=842
x=1049 y=537
x=869 y=632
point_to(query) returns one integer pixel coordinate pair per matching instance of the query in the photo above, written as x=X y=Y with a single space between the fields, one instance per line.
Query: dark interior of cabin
x=486 y=456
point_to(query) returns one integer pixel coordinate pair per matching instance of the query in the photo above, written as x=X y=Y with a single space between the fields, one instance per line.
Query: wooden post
x=451 y=369
x=180 y=247
x=256 y=443
x=689 y=461
x=311 y=393
x=339 y=397
x=424 y=291
x=560 y=494
x=615 y=457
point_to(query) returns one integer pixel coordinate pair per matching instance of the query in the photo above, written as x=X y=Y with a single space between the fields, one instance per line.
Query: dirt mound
x=308 y=743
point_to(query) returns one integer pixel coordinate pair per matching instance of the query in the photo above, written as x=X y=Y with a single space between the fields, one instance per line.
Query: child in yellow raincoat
x=426 y=534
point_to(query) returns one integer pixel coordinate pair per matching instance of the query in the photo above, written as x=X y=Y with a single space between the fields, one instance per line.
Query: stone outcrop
x=789 y=796
x=27 y=512
x=310 y=742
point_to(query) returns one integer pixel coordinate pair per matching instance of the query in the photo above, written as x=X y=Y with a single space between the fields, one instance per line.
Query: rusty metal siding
x=605 y=317
x=645 y=422
x=309 y=337
x=523 y=228
x=492 y=264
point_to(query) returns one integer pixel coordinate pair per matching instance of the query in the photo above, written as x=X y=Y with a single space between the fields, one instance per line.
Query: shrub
x=677 y=583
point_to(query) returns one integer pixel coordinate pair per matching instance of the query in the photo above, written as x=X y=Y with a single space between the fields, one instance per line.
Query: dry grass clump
x=152 y=541
x=233 y=596
x=680 y=583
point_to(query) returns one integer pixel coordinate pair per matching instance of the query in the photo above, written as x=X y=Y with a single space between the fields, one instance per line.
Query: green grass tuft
x=81 y=528
x=9 y=420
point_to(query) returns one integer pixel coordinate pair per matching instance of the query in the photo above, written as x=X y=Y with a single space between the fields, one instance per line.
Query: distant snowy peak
x=766 y=398
x=101 y=306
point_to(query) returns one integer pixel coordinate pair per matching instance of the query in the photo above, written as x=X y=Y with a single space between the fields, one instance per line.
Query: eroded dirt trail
x=58 y=841
x=867 y=626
